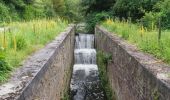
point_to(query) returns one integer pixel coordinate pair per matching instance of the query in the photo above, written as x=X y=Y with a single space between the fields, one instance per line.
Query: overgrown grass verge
x=102 y=60
x=146 y=40
x=20 y=39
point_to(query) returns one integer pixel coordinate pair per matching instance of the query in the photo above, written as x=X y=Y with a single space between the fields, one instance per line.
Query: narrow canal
x=85 y=83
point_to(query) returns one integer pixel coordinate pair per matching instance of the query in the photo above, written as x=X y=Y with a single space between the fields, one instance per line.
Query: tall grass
x=20 y=39
x=146 y=40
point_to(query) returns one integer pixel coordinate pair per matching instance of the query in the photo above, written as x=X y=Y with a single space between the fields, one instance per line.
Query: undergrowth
x=145 y=39
x=21 y=39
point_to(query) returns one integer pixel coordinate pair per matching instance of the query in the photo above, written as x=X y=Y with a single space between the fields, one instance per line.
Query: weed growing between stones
x=66 y=96
x=155 y=94
x=102 y=61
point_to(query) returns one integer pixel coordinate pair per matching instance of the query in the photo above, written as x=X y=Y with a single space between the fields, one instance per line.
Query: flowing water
x=85 y=83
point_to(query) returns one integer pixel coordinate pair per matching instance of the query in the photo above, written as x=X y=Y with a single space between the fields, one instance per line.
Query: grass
x=23 y=38
x=145 y=39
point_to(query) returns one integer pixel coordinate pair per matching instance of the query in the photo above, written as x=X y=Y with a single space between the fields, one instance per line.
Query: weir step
x=85 y=83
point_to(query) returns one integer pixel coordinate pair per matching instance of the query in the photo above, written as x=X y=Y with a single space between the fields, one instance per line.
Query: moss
x=102 y=61
x=155 y=94
x=66 y=96
x=168 y=74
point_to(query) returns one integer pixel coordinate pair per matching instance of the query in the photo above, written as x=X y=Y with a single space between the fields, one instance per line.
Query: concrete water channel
x=85 y=83
x=46 y=74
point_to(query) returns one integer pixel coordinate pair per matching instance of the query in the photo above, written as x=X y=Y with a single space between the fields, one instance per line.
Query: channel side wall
x=46 y=74
x=133 y=75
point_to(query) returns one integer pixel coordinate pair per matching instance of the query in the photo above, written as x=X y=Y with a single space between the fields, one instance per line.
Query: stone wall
x=46 y=74
x=133 y=75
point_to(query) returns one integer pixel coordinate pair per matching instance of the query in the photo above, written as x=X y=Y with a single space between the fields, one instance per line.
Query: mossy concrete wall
x=46 y=74
x=133 y=75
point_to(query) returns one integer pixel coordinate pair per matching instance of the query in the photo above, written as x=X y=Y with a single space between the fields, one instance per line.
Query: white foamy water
x=85 y=56
x=85 y=81
x=84 y=41
x=85 y=68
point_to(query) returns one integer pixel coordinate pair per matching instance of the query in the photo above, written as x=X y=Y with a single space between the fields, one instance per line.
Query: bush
x=95 y=11
x=4 y=67
x=150 y=20
x=95 y=18
x=162 y=9
x=146 y=41
x=49 y=11
x=28 y=13
x=31 y=12
x=21 y=42
x=4 y=13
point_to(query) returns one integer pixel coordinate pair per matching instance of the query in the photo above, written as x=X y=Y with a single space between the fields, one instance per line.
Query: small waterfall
x=84 y=41
x=85 y=56
x=85 y=83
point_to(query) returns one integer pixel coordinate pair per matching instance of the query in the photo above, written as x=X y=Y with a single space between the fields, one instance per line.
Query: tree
x=127 y=8
x=95 y=11
x=163 y=8
x=4 y=13
x=135 y=9
x=90 y=6
x=72 y=11
x=59 y=6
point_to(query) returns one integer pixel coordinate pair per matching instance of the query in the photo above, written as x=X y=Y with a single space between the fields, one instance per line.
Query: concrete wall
x=133 y=75
x=46 y=74
x=53 y=78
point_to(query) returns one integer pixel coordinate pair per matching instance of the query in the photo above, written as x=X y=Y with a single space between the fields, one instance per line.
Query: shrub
x=93 y=19
x=150 y=20
x=163 y=9
x=4 y=67
x=21 y=42
x=4 y=13
x=32 y=12
x=33 y=34
x=28 y=13
x=146 y=41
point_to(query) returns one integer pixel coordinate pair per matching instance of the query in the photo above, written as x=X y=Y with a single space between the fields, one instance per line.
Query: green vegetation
x=22 y=38
x=155 y=94
x=4 y=67
x=102 y=60
x=146 y=12
x=133 y=9
x=95 y=12
x=29 y=25
x=66 y=96
x=146 y=40
x=138 y=21
x=18 y=10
